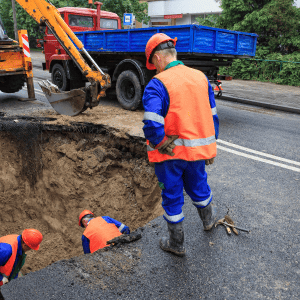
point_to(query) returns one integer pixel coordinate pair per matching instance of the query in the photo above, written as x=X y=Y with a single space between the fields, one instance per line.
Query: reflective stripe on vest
x=99 y=232
x=203 y=203
x=214 y=111
x=189 y=116
x=13 y=241
x=121 y=227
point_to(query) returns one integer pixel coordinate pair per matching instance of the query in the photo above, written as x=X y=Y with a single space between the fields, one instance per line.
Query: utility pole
x=15 y=19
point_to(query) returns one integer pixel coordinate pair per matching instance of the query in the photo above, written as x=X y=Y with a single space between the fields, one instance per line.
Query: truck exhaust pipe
x=69 y=103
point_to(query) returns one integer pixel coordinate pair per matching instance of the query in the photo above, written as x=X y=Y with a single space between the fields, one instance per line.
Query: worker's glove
x=125 y=238
x=209 y=161
x=167 y=146
x=4 y=281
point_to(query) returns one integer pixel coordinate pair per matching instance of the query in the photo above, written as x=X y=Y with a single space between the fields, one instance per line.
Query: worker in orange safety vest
x=99 y=230
x=181 y=126
x=12 y=252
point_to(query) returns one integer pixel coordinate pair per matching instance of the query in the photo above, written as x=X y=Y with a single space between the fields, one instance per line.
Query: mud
x=48 y=178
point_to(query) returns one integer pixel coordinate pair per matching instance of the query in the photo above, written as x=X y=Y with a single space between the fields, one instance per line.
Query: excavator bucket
x=69 y=103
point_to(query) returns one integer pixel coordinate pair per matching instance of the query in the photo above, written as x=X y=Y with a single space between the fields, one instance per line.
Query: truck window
x=63 y=16
x=81 y=21
x=108 y=23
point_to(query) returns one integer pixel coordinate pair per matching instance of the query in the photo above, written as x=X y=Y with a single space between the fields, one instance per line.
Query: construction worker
x=99 y=230
x=12 y=252
x=181 y=126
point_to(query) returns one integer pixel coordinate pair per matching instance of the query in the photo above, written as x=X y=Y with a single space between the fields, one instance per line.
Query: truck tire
x=129 y=90
x=12 y=83
x=59 y=77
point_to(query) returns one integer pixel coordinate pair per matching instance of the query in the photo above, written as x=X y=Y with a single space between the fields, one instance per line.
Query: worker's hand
x=4 y=281
x=209 y=161
x=168 y=146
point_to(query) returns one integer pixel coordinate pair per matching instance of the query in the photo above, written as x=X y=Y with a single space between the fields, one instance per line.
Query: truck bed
x=194 y=40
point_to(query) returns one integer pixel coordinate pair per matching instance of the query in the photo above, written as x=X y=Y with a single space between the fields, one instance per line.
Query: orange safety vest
x=99 y=232
x=189 y=116
x=11 y=240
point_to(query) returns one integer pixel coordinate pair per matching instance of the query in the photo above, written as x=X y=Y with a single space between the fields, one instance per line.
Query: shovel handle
x=233 y=226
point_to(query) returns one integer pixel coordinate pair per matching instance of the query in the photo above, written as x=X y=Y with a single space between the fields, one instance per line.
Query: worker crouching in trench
x=13 y=250
x=181 y=127
x=99 y=230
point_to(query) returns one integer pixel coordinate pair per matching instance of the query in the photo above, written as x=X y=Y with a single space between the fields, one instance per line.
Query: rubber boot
x=174 y=243
x=208 y=216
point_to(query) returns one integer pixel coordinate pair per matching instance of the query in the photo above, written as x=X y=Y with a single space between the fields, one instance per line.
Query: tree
x=127 y=6
x=277 y=22
x=209 y=20
x=27 y=22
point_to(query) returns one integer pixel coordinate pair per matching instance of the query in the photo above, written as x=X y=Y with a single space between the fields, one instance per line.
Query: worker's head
x=85 y=217
x=160 y=51
x=31 y=239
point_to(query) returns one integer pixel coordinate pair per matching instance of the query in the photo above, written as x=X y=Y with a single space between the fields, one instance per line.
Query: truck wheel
x=59 y=77
x=129 y=90
x=12 y=83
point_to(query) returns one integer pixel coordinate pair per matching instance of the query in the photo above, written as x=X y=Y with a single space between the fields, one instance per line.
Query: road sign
x=128 y=19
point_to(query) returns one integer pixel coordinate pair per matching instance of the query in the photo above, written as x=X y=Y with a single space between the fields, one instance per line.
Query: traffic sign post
x=128 y=19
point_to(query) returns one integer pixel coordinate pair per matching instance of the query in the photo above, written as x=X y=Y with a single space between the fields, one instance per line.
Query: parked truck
x=15 y=63
x=120 y=52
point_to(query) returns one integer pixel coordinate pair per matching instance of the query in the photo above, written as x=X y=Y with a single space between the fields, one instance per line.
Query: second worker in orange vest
x=99 y=230
x=181 y=127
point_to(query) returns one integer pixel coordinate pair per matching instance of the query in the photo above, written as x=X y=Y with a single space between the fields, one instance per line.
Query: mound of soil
x=48 y=179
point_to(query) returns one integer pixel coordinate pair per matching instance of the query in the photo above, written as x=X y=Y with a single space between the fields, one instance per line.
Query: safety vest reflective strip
x=151 y=116
x=13 y=241
x=203 y=203
x=190 y=143
x=189 y=116
x=99 y=232
x=175 y=218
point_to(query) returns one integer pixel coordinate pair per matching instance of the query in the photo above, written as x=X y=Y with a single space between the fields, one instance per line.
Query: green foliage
x=210 y=20
x=277 y=22
x=26 y=22
x=287 y=73
x=127 y=6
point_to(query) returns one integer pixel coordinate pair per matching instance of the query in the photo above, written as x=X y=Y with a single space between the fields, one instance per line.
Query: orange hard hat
x=83 y=214
x=32 y=238
x=153 y=42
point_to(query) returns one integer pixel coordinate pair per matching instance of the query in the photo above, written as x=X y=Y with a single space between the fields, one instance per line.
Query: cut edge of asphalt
x=260 y=104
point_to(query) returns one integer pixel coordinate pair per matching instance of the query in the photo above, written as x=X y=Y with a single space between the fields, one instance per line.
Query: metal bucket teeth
x=69 y=103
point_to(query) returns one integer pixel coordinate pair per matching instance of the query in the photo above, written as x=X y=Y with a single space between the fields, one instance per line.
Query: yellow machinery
x=76 y=101
x=15 y=64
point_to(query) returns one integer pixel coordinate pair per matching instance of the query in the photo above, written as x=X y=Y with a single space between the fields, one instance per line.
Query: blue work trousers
x=173 y=176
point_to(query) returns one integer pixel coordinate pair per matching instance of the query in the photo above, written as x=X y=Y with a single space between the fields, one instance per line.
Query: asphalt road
x=256 y=178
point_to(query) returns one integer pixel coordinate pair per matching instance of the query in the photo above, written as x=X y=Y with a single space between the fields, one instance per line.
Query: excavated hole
x=49 y=174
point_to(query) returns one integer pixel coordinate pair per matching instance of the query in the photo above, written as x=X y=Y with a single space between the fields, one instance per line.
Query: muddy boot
x=174 y=244
x=208 y=216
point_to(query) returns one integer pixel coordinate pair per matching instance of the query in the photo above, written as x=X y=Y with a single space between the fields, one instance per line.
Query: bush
x=286 y=72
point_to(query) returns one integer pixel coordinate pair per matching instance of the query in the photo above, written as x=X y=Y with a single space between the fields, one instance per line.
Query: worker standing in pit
x=12 y=252
x=99 y=230
x=181 y=126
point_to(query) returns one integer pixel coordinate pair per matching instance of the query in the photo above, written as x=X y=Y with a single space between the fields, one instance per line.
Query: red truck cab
x=78 y=19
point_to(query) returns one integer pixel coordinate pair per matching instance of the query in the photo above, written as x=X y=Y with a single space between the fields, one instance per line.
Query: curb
x=261 y=104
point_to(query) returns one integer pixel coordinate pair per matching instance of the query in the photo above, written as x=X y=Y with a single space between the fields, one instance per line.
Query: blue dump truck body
x=121 y=54
x=192 y=39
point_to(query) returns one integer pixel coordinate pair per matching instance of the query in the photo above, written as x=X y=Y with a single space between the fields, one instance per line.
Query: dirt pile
x=64 y=173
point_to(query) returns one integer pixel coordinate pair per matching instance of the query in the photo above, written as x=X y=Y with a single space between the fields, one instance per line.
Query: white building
x=180 y=12
x=297 y=3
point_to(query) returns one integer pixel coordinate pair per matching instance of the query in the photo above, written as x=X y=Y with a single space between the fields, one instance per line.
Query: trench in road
x=50 y=173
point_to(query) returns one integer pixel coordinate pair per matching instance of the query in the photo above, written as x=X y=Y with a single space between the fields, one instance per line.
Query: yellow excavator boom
x=75 y=101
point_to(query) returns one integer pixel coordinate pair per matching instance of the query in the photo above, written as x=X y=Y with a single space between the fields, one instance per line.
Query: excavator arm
x=76 y=101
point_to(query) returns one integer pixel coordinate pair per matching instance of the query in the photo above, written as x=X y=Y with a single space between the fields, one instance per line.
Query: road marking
x=36 y=91
x=267 y=161
x=259 y=153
